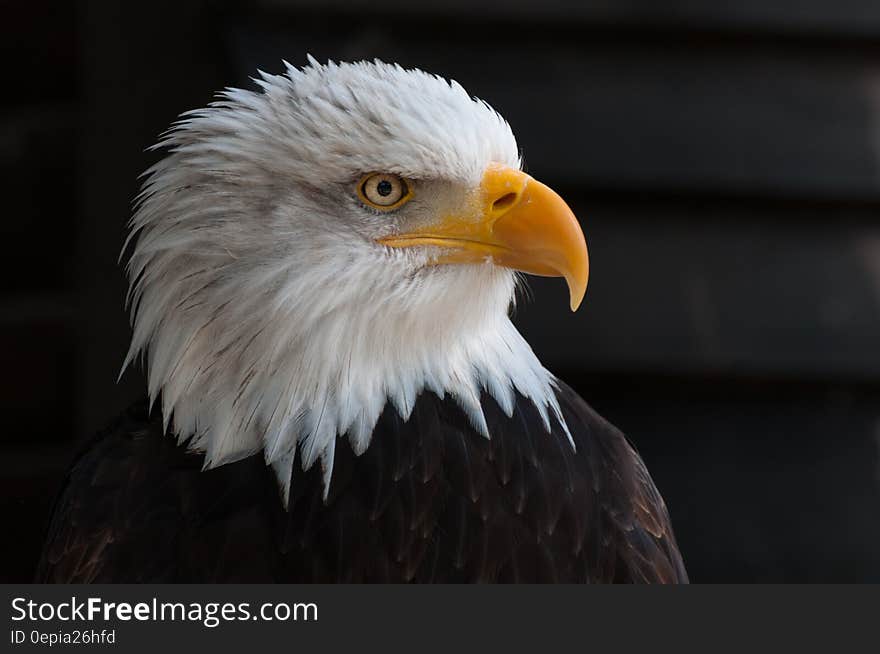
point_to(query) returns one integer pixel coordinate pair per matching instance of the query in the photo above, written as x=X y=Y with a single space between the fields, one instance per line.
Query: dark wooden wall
x=724 y=159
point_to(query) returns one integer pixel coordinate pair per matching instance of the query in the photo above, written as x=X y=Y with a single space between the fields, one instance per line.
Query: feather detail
x=431 y=500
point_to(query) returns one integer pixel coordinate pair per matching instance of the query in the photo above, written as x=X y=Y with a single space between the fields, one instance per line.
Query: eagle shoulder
x=136 y=507
x=632 y=540
x=432 y=499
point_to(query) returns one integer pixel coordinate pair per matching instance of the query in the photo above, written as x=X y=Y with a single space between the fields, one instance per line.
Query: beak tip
x=577 y=285
x=576 y=300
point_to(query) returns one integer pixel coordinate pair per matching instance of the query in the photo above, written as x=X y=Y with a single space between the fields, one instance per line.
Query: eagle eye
x=384 y=191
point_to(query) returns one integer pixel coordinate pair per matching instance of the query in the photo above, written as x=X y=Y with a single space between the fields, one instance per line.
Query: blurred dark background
x=724 y=159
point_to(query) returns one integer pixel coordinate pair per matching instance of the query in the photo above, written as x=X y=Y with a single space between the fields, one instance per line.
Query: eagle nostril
x=504 y=202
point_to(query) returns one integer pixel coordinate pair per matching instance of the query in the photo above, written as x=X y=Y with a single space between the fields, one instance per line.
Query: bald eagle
x=321 y=272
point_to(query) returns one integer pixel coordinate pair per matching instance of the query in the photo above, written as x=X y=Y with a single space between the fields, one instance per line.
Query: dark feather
x=431 y=500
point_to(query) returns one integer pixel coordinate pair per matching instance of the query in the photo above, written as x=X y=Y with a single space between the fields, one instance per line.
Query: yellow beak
x=515 y=222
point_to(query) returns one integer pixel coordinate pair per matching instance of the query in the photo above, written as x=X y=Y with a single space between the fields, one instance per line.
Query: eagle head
x=344 y=238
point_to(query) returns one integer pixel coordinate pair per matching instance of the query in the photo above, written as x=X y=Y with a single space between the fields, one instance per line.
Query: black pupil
x=384 y=188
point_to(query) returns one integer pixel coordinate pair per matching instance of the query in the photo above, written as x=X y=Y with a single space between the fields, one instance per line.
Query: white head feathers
x=269 y=317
